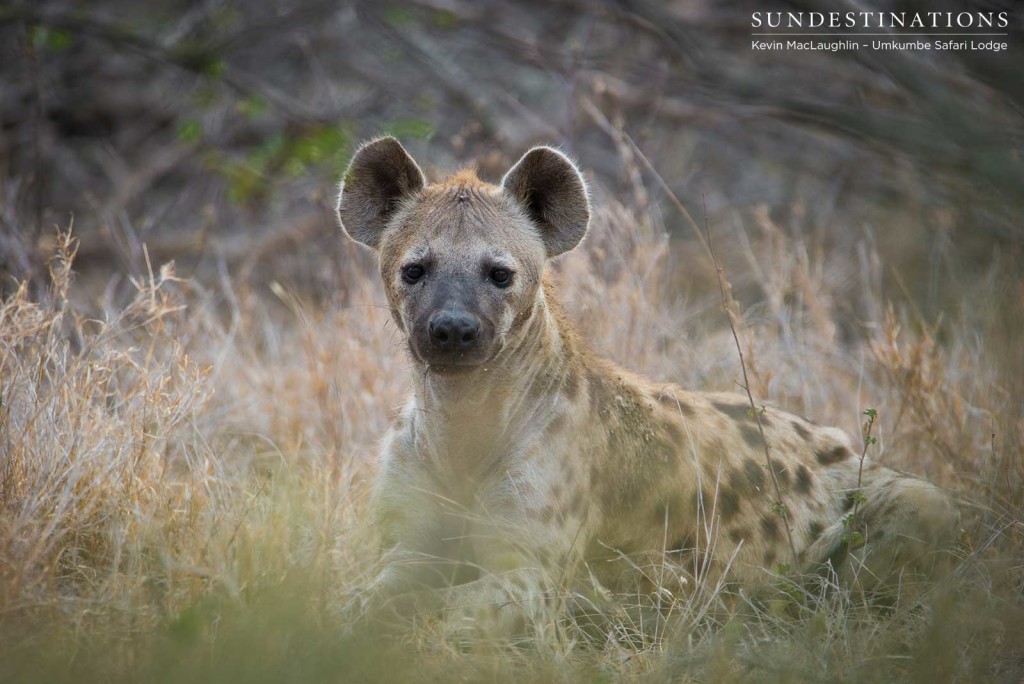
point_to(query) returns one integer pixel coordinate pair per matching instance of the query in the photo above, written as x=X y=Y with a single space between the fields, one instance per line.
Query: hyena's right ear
x=379 y=177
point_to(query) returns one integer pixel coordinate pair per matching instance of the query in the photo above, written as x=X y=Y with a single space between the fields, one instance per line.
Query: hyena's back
x=686 y=474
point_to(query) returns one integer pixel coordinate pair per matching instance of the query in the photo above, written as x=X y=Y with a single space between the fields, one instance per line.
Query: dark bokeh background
x=213 y=131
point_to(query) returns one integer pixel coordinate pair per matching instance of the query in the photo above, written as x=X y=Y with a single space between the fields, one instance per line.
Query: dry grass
x=182 y=479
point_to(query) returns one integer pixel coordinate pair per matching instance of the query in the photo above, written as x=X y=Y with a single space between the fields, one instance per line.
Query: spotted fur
x=529 y=463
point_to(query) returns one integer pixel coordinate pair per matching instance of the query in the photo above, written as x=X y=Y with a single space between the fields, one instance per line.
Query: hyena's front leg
x=421 y=551
x=439 y=555
x=516 y=591
x=490 y=573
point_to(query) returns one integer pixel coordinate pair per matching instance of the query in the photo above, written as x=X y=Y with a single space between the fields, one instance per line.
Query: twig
x=728 y=303
x=858 y=497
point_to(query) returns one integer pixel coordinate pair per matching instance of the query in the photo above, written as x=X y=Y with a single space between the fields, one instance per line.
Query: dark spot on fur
x=848 y=502
x=814 y=530
x=556 y=425
x=751 y=435
x=877 y=535
x=754 y=473
x=769 y=557
x=738 y=482
x=770 y=526
x=734 y=411
x=748 y=480
x=833 y=455
x=781 y=473
x=728 y=503
x=576 y=503
x=801 y=430
x=803 y=479
x=737 y=534
x=595 y=474
x=660 y=511
x=742 y=412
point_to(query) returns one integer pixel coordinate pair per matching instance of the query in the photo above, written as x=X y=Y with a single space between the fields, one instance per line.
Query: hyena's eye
x=412 y=273
x=502 y=277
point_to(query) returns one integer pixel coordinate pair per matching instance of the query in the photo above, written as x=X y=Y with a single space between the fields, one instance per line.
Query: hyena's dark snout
x=455 y=336
x=453 y=331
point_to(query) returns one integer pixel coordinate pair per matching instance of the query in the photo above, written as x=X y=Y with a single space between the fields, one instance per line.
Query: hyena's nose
x=454 y=330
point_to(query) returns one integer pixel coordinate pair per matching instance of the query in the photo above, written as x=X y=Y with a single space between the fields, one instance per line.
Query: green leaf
x=214 y=68
x=49 y=39
x=252 y=107
x=190 y=131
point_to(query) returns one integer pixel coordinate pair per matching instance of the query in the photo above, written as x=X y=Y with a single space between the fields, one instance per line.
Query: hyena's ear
x=552 y=191
x=379 y=177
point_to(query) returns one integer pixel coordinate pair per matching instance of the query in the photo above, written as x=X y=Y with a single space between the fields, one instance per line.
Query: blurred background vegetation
x=217 y=129
x=191 y=518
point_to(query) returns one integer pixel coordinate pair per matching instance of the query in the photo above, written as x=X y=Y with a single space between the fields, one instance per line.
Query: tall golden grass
x=183 y=478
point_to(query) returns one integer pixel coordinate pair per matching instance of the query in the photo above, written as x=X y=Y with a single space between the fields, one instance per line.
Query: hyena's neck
x=483 y=414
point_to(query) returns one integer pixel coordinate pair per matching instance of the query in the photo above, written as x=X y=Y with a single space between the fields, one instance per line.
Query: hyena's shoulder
x=712 y=426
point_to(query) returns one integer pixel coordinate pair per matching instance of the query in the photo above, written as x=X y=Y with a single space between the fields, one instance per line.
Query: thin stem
x=728 y=303
x=868 y=440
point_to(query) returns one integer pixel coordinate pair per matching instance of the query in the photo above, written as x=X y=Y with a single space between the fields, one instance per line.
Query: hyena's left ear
x=379 y=177
x=552 y=191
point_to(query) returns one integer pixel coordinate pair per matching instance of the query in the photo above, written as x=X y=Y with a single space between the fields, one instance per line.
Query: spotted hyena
x=524 y=462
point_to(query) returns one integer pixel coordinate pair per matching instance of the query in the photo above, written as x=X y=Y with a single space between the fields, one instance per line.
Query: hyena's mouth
x=447 y=365
x=447 y=361
x=454 y=370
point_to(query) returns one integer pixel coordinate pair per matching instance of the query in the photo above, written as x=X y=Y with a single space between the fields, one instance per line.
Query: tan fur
x=547 y=465
x=466 y=178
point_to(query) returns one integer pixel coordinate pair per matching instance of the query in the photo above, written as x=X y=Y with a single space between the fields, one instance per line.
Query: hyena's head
x=462 y=260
